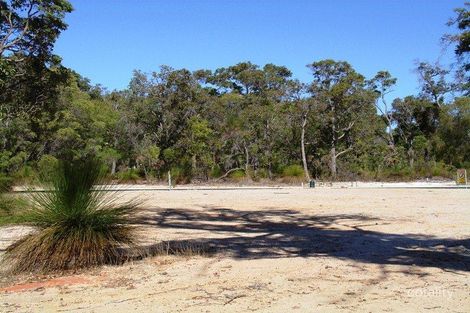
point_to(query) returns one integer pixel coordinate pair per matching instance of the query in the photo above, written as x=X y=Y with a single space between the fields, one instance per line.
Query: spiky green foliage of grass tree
x=78 y=224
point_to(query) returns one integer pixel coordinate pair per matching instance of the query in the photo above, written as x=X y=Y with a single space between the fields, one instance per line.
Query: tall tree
x=382 y=83
x=434 y=85
x=340 y=91
x=462 y=44
x=30 y=74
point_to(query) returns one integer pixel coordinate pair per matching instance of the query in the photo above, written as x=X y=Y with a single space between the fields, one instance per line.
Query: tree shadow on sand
x=274 y=233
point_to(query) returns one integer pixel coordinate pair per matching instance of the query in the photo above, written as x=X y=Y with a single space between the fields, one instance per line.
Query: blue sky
x=108 y=39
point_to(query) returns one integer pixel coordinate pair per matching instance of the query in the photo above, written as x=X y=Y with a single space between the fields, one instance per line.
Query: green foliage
x=128 y=176
x=7 y=206
x=12 y=209
x=262 y=173
x=6 y=183
x=253 y=122
x=462 y=41
x=397 y=173
x=47 y=166
x=149 y=159
x=169 y=155
x=25 y=175
x=78 y=224
x=443 y=170
x=180 y=175
x=238 y=175
x=293 y=171
x=215 y=172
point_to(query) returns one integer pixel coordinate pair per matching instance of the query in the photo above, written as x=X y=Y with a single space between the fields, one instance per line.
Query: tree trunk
x=113 y=167
x=194 y=164
x=302 y=145
x=411 y=157
x=146 y=173
x=388 y=118
x=228 y=172
x=333 y=142
x=247 y=162
x=391 y=141
x=333 y=162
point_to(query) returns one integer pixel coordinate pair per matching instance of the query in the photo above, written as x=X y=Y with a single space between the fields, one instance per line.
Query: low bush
x=440 y=169
x=293 y=171
x=238 y=175
x=6 y=183
x=397 y=173
x=47 y=166
x=179 y=175
x=128 y=176
x=25 y=175
x=215 y=172
x=12 y=209
x=262 y=173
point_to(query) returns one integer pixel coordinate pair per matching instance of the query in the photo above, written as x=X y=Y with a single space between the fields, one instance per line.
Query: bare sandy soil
x=277 y=250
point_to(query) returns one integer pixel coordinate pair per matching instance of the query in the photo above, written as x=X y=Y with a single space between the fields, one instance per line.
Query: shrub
x=169 y=155
x=11 y=209
x=25 y=174
x=396 y=173
x=262 y=173
x=238 y=175
x=78 y=225
x=215 y=172
x=47 y=166
x=179 y=175
x=293 y=171
x=128 y=176
x=443 y=170
x=6 y=183
x=5 y=205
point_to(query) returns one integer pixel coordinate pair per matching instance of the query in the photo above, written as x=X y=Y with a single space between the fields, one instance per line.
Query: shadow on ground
x=274 y=233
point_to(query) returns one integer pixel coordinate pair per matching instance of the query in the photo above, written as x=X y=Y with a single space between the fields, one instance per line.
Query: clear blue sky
x=108 y=39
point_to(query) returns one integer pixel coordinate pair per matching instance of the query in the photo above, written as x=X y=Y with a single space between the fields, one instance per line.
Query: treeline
x=240 y=122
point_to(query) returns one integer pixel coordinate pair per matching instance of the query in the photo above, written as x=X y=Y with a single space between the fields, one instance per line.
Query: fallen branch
x=228 y=172
x=233 y=298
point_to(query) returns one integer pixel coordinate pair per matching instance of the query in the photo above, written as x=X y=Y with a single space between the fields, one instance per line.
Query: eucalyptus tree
x=415 y=119
x=433 y=81
x=30 y=76
x=341 y=96
x=453 y=146
x=462 y=44
x=256 y=95
x=301 y=109
x=382 y=84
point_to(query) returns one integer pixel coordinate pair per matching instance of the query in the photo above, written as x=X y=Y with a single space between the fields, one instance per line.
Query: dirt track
x=305 y=250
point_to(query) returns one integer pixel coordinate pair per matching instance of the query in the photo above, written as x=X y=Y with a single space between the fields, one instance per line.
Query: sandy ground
x=277 y=250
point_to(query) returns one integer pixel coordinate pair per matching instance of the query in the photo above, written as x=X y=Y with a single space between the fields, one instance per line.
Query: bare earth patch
x=275 y=250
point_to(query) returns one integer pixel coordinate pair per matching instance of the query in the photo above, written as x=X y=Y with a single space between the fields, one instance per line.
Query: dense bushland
x=242 y=122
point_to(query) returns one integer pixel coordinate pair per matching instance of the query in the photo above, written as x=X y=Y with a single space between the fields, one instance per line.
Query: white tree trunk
x=302 y=144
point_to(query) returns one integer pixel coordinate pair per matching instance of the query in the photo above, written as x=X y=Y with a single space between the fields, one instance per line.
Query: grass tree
x=77 y=223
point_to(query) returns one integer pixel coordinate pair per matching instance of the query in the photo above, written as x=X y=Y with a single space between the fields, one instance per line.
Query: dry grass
x=176 y=248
